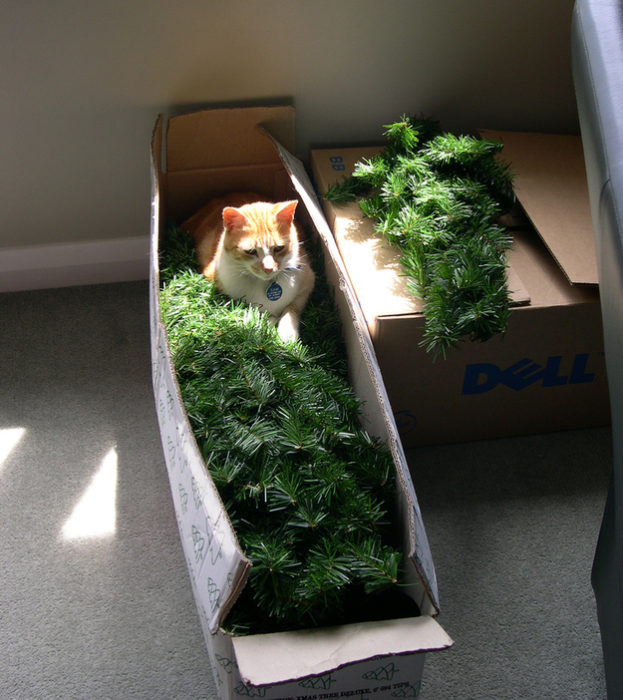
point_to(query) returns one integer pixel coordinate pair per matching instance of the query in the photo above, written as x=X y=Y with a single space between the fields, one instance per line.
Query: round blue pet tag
x=274 y=292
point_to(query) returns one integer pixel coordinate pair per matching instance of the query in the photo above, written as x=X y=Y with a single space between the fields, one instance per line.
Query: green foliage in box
x=438 y=198
x=306 y=489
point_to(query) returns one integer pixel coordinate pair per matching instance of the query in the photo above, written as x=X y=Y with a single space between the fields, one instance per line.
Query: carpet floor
x=95 y=600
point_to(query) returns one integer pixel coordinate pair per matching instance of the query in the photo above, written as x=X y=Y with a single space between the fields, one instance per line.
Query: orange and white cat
x=251 y=249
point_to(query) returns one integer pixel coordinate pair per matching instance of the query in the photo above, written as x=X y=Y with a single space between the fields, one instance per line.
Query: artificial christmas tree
x=438 y=198
x=308 y=492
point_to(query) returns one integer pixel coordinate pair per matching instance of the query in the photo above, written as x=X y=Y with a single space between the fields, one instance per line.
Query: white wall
x=82 y=82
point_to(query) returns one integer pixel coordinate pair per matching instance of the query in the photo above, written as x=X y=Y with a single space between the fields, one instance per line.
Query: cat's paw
x=288 y=328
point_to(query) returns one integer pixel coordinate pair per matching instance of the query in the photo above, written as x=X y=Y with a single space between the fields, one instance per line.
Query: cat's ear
x=233 y=218
x=285 y=212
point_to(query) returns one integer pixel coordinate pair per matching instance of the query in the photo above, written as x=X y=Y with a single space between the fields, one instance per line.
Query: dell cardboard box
x=547 y=371
x=209 y=153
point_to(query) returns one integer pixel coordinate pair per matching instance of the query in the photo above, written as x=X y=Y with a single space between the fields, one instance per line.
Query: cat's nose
x=268 y=264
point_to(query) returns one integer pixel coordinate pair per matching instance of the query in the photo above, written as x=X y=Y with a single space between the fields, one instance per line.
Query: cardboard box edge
x=156 y=319
x=339 y=647
x=158 y=337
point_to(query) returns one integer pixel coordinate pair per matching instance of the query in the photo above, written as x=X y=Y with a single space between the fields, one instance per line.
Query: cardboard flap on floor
x=284 y=656
x=550 y=183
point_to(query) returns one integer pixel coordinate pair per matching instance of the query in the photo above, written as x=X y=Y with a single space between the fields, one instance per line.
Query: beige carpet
x=95 y=600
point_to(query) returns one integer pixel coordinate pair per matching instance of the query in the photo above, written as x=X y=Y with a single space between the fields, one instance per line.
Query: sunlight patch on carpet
x=95 y=514
x=9 y=438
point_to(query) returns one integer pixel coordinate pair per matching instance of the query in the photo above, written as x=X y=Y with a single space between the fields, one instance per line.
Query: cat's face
x=261 y=237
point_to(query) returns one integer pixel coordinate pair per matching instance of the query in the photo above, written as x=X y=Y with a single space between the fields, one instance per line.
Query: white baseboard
x=71 y=264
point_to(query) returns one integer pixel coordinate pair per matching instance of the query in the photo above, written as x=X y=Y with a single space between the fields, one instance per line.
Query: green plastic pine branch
x=438 y=198
x=308 y=492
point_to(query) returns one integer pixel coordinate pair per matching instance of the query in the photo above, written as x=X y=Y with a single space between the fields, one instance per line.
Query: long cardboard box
x=207 y=154
x=547 y=371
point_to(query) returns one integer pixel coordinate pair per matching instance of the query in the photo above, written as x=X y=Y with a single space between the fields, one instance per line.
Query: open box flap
x=224 y=138
x=267 y=659
x=369 y=385
x=221 y=150
x=550 y=183
x=217 y=566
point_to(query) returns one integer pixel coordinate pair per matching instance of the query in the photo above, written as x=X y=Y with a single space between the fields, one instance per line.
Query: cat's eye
x=278 y=248
x=251 y=251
